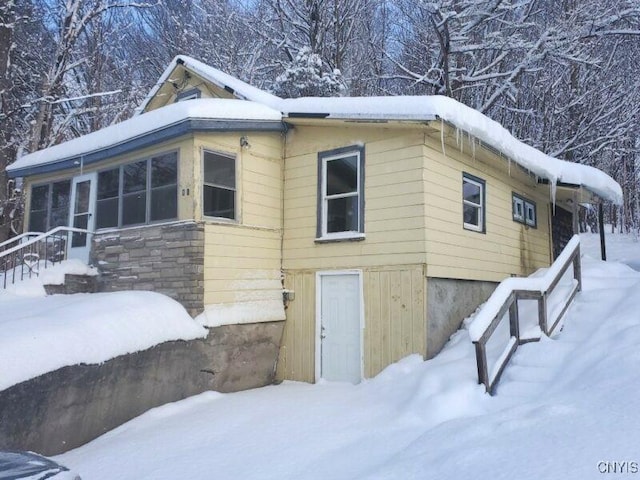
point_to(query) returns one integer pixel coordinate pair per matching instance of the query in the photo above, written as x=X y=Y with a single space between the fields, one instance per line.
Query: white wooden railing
x=553 y=299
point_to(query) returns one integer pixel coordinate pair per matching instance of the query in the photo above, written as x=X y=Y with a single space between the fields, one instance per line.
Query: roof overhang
x=168 y=132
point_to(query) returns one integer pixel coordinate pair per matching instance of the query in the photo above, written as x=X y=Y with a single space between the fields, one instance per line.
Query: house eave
x=178 y=129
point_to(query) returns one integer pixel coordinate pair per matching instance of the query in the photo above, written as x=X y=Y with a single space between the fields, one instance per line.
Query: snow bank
x=563 y=406
x=52 y=275
x=209 y=108
x=44 y=334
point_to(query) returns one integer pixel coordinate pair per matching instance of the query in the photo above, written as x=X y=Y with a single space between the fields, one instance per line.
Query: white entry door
x=81 y=215
x=340 y=329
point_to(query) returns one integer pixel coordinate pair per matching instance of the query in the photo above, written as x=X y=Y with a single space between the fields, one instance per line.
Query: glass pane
x=39 y=197
x=82 y=196
x=342 y=215
x=108 y=183
x=164 y=170
x=107 y=213
x=38 y=221
x=342 y=175
x=134 y=177
x=134 y=208
x=218 y=202
x=164 y=203
x=60 y=194
x=220 y=170
x=472 y=215
x=59 y=217
x=471 y=192
x=80 y=239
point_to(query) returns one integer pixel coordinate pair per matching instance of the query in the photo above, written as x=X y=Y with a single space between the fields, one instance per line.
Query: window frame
x=236 y=206
x=49 y=204
x=527 y=206
x=482 y=214
x=322 y=235
x=190 y=94
x=147 y=190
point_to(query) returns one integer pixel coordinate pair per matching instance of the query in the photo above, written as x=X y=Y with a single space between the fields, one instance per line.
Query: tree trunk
x=7 y=19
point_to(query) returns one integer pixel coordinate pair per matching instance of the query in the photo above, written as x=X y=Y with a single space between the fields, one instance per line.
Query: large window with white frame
x=49 y=206
x=219 y=185
x=140 y=192
x=473 y=202
x=341 y=193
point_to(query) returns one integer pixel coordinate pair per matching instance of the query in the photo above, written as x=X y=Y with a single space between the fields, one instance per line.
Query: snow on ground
x=43 y=333
x=566 y=408
x=23 y=283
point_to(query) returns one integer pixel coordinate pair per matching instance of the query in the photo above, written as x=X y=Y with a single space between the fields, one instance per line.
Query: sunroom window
x=140 y=192
x=49 y=207
x=341 y=193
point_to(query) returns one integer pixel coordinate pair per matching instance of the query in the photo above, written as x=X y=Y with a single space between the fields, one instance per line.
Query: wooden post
x=577 y=268
x=542 y=313
x=514 y=324
x=481 y=361
x=603 y=247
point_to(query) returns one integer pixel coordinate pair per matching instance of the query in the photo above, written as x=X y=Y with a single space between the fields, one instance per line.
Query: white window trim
x=349 y=234
x=479 y=206
x=530 y=207
x=518 y=201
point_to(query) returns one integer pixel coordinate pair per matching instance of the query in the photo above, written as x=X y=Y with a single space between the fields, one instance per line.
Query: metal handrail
x=24 y=259
x=505 y=299
x=18 y=238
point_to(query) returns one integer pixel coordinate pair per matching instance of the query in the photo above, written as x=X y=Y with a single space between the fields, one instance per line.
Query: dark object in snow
x=15 y=465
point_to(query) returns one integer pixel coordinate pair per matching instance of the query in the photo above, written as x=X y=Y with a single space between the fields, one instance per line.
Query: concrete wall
x=449 y=302
x=64 y=409
x=167 y=258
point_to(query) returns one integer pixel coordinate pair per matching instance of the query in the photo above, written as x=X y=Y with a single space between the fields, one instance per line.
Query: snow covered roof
x=465 y=118
x=134 y=133
x=235 y=86
x=258 y=105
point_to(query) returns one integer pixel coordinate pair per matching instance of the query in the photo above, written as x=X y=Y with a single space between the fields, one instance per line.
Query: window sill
x=350 y=237
x=473 y=228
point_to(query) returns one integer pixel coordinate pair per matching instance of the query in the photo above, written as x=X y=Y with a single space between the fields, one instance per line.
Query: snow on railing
x=553 y=294
x=23 y=237
x=25 y=259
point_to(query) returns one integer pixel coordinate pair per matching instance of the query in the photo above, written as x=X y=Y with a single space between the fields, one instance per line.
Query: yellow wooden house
x=371 y=227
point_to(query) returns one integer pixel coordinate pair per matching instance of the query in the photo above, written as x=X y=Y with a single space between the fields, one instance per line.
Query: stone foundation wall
x=167 y=258
x=67 y=408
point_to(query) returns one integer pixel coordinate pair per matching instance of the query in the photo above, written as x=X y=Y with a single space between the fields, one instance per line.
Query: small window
x=530 y=214
x=524 y=211
x=473 y=200
x=219 y=186
x=190 y=94
x=341 y=193
x=518 y=208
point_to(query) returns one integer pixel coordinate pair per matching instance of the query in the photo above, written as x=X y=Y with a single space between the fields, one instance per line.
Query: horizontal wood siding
x=394 y=205
x=507 y=247
x=394 y=325
x=241 y=264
